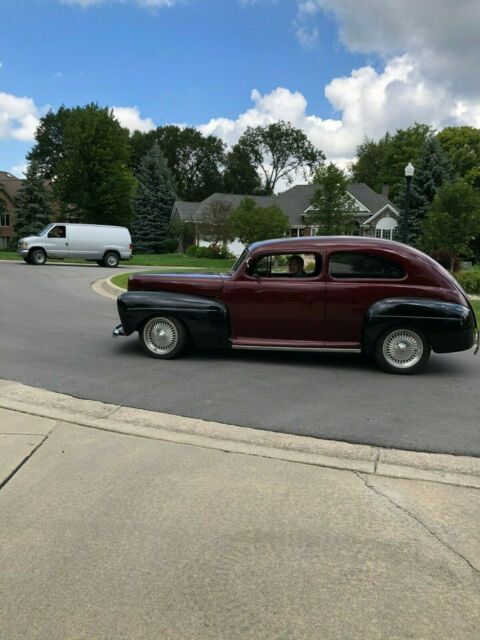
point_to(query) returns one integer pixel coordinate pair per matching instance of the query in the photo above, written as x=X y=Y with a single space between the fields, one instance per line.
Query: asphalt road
x=55 y=333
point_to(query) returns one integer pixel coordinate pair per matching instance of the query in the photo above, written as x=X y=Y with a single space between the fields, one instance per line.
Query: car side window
x=287 y=265
x=351 y=264
x=58 y=231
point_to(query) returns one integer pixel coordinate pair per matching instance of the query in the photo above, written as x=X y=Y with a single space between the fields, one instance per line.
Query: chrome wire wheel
x=161 y=336
x=402 y=348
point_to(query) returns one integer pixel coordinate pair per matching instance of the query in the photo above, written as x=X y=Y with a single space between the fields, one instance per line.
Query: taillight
x=131 y=247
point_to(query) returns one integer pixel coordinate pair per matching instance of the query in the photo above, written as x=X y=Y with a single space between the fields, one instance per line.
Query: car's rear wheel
x=163 y=337
x=402 y=350
x=100 y=263
x=111 y=259
x=38 y=256
x=27 y=260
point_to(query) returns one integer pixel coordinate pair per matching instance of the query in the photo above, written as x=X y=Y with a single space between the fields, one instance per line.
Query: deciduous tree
x=453 y=221
x=252 y=223
x=215 y=225
x=280 y=151
x=195 y=160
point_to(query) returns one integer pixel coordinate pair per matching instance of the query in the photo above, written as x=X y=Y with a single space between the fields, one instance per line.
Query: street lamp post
x=409 y=171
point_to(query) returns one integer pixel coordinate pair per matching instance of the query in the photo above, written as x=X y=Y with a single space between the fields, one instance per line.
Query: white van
x=100 y=243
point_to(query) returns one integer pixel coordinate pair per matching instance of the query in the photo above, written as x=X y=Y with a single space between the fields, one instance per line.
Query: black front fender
x=447 y=326
x=206 y=319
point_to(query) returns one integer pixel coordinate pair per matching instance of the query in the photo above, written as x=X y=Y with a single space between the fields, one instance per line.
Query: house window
x=4 y=219
x=294 y=233
x=386 y=228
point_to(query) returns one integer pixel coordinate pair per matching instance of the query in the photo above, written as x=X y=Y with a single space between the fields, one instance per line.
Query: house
x=9 y=185
x=374 y=214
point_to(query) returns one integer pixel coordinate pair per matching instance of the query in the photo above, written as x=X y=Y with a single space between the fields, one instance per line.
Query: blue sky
x=338 y=70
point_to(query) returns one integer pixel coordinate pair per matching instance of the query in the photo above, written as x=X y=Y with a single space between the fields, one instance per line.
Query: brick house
x=374 y=214
x=9 y=185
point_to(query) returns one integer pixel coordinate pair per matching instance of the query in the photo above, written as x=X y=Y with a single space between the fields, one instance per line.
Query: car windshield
x=45 y=230
x=239 y=261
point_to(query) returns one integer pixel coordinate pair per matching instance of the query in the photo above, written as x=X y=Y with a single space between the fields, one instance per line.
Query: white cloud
x=441 y=36
x=18 y=117
x=130 y=118
x=368 y=103
x=19 y=170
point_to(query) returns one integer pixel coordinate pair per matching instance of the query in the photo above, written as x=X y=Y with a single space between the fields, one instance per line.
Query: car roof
x=304 y=242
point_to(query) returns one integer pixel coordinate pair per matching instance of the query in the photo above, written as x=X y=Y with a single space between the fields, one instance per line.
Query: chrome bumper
x=118 y=331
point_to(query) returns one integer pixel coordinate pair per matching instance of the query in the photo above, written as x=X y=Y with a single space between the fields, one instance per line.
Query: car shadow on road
x=439 y=365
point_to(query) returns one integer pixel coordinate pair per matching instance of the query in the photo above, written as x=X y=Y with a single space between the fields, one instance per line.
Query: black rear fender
x=447 y=326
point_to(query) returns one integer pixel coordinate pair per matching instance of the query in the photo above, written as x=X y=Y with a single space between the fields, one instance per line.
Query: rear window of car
x=352 y=265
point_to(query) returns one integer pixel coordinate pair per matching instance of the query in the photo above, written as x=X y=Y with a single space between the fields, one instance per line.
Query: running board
x=315 y=349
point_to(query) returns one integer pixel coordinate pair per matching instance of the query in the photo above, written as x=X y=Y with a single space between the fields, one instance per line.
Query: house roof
x=187 y=210
x=193 y=211
x=373 y=201
x=293 y=202
x=9 y=184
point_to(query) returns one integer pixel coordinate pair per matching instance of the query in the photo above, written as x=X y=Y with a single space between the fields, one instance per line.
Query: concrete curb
x=447 y=469
x=105 y=287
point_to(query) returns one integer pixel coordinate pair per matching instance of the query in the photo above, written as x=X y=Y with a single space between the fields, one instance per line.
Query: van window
x=58 y=231
x=350 y=265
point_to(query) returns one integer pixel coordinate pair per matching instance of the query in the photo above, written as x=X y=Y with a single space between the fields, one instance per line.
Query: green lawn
x=156 y=260
x=476 y=306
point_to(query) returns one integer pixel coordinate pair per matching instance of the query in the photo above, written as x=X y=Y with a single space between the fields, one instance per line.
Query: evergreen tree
x=434 y=170
x=152 y=203
x=33 y=206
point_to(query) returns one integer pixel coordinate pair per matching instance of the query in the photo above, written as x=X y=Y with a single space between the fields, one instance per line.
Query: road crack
x=411 y=515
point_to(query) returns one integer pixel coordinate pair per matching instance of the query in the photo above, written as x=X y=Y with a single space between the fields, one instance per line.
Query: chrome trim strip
x=477 y=343
x=316 y=349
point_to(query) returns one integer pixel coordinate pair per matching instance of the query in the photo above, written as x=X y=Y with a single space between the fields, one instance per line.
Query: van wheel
x=111 y=259
x=100 y=263
x=163 y=337
x=38 y=256
x=27 y=260
x=402 y=350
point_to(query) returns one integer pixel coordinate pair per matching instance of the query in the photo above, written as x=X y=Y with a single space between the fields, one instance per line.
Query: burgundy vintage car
x=345 y=294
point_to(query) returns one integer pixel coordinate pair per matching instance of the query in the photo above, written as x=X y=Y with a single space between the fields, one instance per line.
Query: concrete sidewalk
x=110 y=535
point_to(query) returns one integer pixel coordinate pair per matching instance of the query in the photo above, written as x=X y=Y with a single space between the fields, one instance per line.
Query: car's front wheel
x=163 y=337
x=38 y=256
x=402 y=350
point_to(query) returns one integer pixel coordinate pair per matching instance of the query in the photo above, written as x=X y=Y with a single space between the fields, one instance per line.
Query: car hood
x=29 y=239
x=196 y=283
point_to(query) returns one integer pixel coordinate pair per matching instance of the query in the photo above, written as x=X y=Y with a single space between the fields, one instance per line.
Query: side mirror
x=248 y=265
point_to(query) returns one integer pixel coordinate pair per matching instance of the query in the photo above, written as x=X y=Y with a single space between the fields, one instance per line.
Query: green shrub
x=170 y=245
x=214 y=251
x=192 y=251
x=470 y=280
